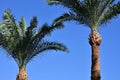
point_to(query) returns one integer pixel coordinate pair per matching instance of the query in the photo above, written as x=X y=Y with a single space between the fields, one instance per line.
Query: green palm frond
x=41 y=33
x=33 y=24
x=10 y=29
x=29 y=32
x=45 y=46
x=46 y=30
x=78 y=11
x=112 y=13
x=66 y=3
x=92 y=13
x=9 y=20
x=78 y=7
x=71 y=16
x=102 y=10
x=2 y=41
x=22 y=26
x=50 y=46
x=64 y=17
x=8 y=17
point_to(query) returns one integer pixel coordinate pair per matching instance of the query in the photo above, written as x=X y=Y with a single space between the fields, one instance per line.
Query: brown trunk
x=95 y=41
x=22 y=75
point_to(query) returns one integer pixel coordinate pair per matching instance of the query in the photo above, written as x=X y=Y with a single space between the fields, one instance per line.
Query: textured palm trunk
x=22 y=75
x=95 y=41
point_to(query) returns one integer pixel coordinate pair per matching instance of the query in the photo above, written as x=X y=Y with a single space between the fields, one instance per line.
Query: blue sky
x=53 y=65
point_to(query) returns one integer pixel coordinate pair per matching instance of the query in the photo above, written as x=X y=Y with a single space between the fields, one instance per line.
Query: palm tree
x=92 y=13
x=24 y=43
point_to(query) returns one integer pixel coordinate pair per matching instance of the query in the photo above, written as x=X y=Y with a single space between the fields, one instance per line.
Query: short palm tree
x=24 y=43
x=92 y=13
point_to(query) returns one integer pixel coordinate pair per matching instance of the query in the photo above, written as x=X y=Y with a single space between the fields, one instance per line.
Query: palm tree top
x=24 y=43
x=92 y=13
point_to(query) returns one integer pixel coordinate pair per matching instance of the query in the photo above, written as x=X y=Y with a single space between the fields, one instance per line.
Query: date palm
x=24 y=43
x=92 y=13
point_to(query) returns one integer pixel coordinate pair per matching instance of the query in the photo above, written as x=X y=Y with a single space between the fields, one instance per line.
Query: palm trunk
x=95 y=41
x=22 y=75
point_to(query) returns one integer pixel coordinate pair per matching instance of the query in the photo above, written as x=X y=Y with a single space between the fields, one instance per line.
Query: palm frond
x=103 y=10
x=113 y=12
x=12 y=30
x=78 y=7
x=42 y=32
x=51 y=2
x=78 y=11
x=71 y=17
x=8 y=17
x=9 y=20
x=2 y=41
x=33 y=24
x=45 y=46
x=28 y=33
x=45 y=30
x=22 y=26
x=64 y=17
x=66 y=3
x=51 y=46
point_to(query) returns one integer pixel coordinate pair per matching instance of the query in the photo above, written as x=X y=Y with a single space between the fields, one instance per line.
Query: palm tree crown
x=92 y=13
x=24 y=43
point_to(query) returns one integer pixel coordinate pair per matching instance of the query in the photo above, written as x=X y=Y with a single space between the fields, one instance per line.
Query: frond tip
x=50 y=2
x=34 y=22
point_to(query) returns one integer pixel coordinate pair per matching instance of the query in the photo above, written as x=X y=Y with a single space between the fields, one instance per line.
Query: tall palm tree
x=92 y=13
x=24 y=43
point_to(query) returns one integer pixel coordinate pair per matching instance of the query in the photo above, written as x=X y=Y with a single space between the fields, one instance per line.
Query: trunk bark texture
x=22 y=75
x=95 y=41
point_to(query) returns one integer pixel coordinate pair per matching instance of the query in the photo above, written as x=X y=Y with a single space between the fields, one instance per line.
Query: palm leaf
x=42 y=32
x=45 y=46
x=22 y=26
x=64 y=17
x=33 y=24
x=71 y=17
x=112 y=13
x=104 y=10
x=78 y=7
x=12 y=30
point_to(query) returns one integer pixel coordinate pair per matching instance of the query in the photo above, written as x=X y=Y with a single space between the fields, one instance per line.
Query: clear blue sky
x=53 y=65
